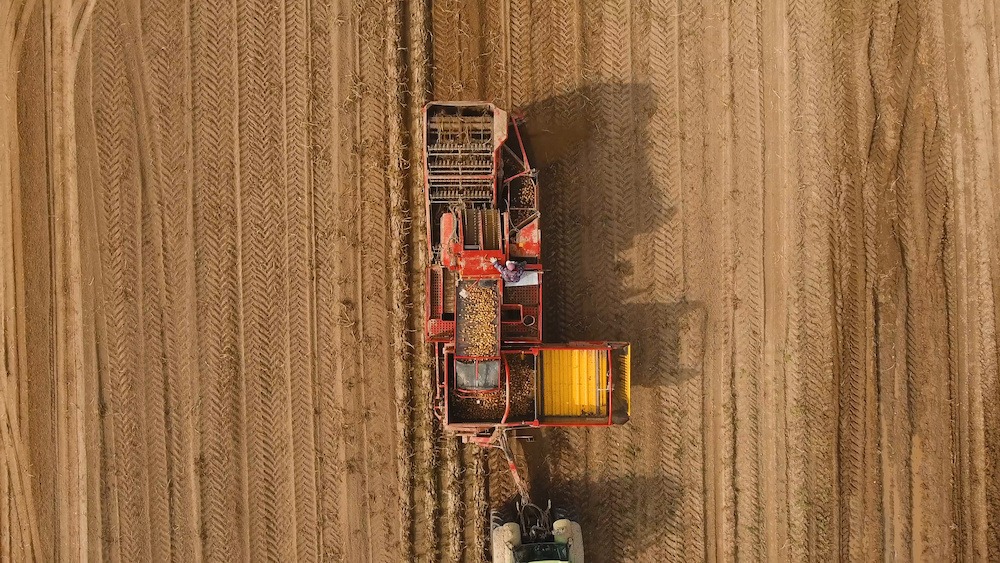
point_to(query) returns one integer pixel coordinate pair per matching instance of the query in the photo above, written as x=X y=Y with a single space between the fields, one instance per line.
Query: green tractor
x=534 y=537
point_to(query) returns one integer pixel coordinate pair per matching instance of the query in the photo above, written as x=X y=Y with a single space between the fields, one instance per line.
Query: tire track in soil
x=743 y=140
x=703 y=259
x=90 y=190
x=679 y=457
x=299 y=253
x=154 y=363
x=165 y=38
x=225 y=512
x=399 y=224
x=332 y=50
x=555 y=82
x=545 y=79
x=743 y=81
x=446 y=53
x=971 y=233
x=519 y=27
x=615 y=178
x=372 y=530
x=853 y=315
x=151 y=266
x=892 y=76
x=99 y=519
x=264 y=283
x=120 y=216
x=810 y=397
x=921 y=204
x=894 y=396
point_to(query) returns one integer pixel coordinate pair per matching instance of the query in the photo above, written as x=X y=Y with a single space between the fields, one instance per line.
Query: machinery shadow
x=609 y=224
x=593 y=518
x=605 y=215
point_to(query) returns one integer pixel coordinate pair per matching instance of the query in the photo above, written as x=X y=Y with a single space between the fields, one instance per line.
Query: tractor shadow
x=594 y=500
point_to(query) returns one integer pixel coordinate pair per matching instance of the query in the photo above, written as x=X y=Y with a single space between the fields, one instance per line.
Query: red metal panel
x=449 y=232
x=528 y=241
x=475 y=264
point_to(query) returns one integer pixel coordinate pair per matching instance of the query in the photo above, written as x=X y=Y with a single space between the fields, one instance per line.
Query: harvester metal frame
x=468 y=183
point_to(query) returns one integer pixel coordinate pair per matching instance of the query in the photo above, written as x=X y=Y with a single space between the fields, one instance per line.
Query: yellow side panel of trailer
x=574 y=382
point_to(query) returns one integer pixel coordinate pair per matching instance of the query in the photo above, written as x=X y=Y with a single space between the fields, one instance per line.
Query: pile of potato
x=522 y=387
x=525 y=194
x=483 y=407
x=477 y=319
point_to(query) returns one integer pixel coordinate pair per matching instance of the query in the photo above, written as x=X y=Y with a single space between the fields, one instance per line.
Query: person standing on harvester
x=510 y=271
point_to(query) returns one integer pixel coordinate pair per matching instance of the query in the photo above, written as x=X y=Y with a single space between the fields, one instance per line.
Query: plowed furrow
x=424 y=435
x=503 y=494
x=299 y=251
x=223 y=474
x=452 y=501
x=401 y=338
x=472 y=60
x=374 y=364
x=264 y=283
x=477 y=505
x=496 y=64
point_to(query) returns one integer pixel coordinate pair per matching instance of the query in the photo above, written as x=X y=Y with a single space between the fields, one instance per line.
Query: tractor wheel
x=560 y=514
x=496 y=520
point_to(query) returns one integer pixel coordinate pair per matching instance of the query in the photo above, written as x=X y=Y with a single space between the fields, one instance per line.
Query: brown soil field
x=212 y=273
